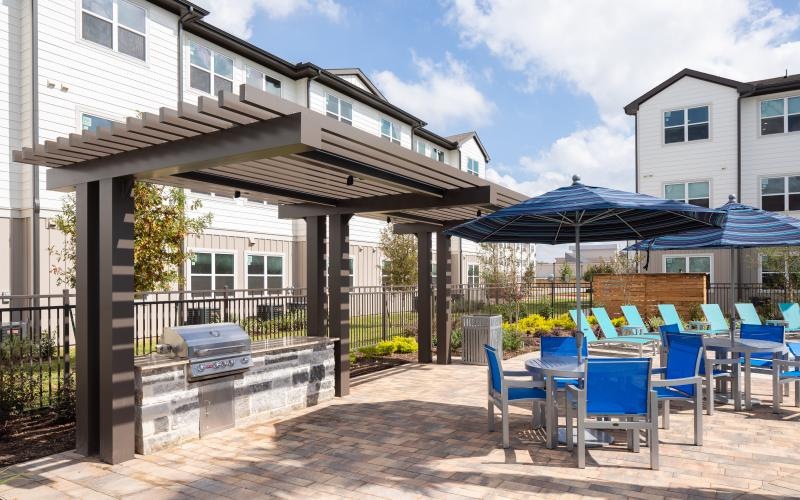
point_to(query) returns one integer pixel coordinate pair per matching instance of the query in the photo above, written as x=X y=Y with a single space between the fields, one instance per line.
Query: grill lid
x=208 y=340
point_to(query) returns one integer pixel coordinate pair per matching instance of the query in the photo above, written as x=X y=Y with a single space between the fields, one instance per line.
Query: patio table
x=700 y=325
x=745 y=347
x=633 y=330
x=567 y=367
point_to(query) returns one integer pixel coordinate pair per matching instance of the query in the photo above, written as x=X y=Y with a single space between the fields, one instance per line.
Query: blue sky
x=544 y=82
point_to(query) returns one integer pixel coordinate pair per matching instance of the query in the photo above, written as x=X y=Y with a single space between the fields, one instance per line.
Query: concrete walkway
x=420 y=431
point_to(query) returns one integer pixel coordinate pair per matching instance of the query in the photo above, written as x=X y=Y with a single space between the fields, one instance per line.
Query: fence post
x=553 y=297
x=591 y=294
x=225 y=304
x=384 y=314
x=67 y=310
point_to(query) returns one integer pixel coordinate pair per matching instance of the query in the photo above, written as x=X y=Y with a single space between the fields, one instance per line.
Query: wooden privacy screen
x=685 y=290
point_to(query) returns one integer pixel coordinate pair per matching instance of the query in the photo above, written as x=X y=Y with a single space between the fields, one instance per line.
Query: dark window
x=200 y=79
x=673 y=135
x=97 y=30
x=690 y=124
x=131 y=43
x=272 y=85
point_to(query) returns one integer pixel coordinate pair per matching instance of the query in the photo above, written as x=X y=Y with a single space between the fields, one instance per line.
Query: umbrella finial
x=732 y=198
x=576 y=179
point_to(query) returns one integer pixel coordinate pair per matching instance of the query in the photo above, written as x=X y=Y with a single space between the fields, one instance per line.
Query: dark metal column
x=115 y=304
x=424 y=297
x=339 y=298
x=315 y=282
x=87 y=331
x=443 y=281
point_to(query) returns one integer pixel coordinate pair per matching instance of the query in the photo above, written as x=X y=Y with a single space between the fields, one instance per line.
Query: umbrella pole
x=734 y=282
x=579 y=332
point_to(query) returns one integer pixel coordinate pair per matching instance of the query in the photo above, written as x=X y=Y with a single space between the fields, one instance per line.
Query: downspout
x=308 y=87
x=35 y=236
x=739 y=147
x=460 y=240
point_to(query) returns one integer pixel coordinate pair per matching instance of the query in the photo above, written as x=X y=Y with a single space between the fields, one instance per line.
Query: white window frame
x=476 y=277
x=685 y=125
x=437 y=154
x=424 y=147
x=338 y=115
x=264 y=77
x=211 y=70
x=786 y=115
x=786 y=191
x=266 y=274
x=761 y=269
x=473 y=161
x=686 y=189
x=393 y=129
x=213 y=274
x=115 y=25
x=686 y=258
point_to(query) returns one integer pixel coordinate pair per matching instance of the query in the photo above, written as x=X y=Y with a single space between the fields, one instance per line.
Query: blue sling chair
x=562 y=347
x=681 y=379
x=784 y=372
x=504 y=390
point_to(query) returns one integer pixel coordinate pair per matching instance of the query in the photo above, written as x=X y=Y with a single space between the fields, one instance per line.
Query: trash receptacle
x=477 y=330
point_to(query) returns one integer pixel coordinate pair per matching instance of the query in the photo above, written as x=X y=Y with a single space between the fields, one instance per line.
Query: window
x=420 y=147
x=687 y=264
x=437 y=154
x=118 y=25
x=259 y=80
x=473 y=275
x=776 y=268
x=690 y=124
x=211 y=271
x=264 y=272
x=385 y=276
x=696 y=193
x=473 y=166
x=390 y=131
x=92 y=123
x=780 y=194
x=433 y=270
x=203 y=63
x=339 y=109
x=780 y=115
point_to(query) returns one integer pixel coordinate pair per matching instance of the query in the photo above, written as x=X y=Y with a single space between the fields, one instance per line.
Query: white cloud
x=235 y=16
x=443 y=94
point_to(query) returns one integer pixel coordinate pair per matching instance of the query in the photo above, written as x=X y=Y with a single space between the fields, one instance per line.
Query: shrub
x=405 y=345
x=47 y=345
x=398 y=344
x=63 y=404
x=16 y=392
x=512 y=341
x=384 y=348
x=653 y=322
x=15 y=348
x=456 y=339
x=618 y=322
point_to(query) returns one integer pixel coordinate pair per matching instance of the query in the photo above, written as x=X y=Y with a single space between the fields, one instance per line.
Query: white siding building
x=701 y=138
x=78 y=64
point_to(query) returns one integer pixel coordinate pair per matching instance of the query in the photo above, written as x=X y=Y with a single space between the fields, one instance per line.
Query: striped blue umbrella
x=578 y=212
x=744 y=227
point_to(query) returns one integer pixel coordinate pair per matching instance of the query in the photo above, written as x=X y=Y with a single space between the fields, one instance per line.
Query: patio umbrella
x=744 y=227
x=578 y=212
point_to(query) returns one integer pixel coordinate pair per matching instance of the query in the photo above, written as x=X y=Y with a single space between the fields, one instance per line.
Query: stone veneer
x=287 y=374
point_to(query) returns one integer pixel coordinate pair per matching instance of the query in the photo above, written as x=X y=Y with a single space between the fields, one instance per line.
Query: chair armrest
x=777 y=363
x=675 y=381
x=523 y=384
x=517 y=373
x=573 y=390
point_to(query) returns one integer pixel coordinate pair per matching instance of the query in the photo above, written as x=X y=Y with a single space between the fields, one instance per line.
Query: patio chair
x=562 y=346
x=748 y=314
x=503 y=390
x=681 y=380
x=715 y=317
x=634 y=320
x=771 y=333
x=611 y=336
x=670 y=316
x=614 y=389
x=791 y=316
x=785 y=372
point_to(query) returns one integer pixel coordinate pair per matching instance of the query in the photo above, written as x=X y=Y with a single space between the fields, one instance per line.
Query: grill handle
x=218 y=350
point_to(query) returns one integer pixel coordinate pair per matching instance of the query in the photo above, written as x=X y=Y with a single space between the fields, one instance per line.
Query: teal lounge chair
x=611 y=337
x=748 y=314
x=715 y=318
x=791 y=316
x=670 y=316
x=634 y=319
x=591 y=338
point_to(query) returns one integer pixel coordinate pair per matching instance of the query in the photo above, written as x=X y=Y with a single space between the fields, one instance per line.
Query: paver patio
x=420 y=431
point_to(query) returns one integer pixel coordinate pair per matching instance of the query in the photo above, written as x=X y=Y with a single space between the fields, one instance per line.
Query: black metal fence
x=765 y=299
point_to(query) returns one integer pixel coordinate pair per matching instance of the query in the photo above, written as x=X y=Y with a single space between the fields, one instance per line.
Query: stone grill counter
x=287 y=374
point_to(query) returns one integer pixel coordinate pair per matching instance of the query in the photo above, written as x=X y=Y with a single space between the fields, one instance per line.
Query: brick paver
x=420 y=431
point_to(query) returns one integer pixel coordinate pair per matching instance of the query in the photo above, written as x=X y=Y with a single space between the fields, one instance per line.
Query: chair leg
x=506 y=439
x=666 y=414
x=709 y=392
x=777 y=392
x=581 y=434
x=569 y=434
x=698 y=415
x=537 y=414
x=490 y=407
x=652 y=434
x=797 y=393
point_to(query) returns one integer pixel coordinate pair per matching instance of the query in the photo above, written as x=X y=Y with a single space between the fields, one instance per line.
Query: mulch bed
x=34 y=435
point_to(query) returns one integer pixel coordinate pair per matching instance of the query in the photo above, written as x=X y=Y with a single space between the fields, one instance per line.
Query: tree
x=161 y=224
x=400 y=251
x=499 y=264
x=566 y=273
x=529 y=276
x=780 y=267
x=600 y=268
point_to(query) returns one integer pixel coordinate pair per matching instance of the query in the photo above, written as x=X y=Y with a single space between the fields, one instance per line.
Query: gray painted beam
x=87 y=331
x=315 y=274
x=339 y=298
x=424 y=297
x=276 y=137
x=255 y=187
x=417 y=227
x=443 y=282
x=116 y=324
x=481 y=195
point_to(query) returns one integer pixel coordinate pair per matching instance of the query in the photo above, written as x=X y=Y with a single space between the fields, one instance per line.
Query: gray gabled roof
x=361 y=76
x=756 y=87
x=463 y=137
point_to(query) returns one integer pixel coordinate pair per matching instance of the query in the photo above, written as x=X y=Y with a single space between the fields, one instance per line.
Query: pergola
x=260 y=146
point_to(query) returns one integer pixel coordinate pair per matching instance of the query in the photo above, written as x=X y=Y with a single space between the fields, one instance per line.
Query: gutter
x=187 y=17
x=36 y=202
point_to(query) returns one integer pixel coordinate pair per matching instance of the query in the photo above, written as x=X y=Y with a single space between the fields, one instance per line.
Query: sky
x=543 y=82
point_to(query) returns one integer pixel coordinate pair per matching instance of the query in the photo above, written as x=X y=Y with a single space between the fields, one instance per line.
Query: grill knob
x=230 y=362
x=245 y=360
x=200 y=368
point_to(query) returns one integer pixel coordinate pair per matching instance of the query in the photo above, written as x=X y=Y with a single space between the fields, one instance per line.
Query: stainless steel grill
x=213 y=350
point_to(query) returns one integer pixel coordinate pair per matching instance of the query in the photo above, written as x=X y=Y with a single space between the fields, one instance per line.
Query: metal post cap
x=576 y=179
x=732 y=198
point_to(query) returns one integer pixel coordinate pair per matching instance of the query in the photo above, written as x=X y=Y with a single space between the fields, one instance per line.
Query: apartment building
x=73 y=65
x=701 y=138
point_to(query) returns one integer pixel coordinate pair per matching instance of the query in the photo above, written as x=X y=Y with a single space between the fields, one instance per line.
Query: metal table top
x=744 y=345
x=556 y=366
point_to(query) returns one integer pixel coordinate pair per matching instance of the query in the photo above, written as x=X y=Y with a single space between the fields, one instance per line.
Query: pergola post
x=116 y=325
x=424 y=297
x=87 y=329
x=443 y=281
x=339 y=298
x=315 y=281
